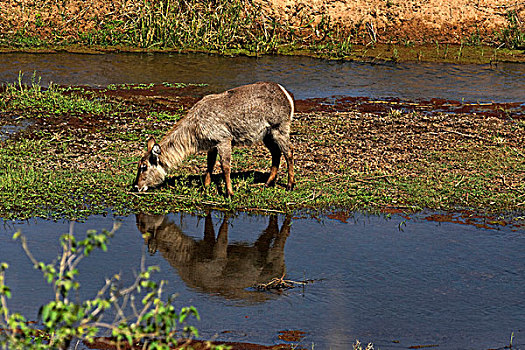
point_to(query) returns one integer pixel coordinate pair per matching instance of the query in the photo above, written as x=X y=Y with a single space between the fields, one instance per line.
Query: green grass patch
x=465 y=177
x=82 y=161
x=33 y=99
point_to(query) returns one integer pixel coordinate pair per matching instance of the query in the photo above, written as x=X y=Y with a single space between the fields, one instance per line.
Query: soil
x=397 y=131
x=395 y=20
x=378 y=20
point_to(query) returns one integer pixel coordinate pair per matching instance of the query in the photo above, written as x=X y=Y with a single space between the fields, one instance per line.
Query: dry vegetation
x=256 y=26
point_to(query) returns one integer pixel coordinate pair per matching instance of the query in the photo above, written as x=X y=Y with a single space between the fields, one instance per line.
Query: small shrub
x=153 y=323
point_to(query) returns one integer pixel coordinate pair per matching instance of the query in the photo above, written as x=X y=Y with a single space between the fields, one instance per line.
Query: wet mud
x=159 y=97
x=170 y=98
x=462 y=217
x=514 y=110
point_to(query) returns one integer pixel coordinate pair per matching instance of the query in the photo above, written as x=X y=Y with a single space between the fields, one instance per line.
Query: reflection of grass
x=352 y=160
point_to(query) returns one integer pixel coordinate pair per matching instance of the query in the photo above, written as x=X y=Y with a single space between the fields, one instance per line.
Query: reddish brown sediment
x=107 y=344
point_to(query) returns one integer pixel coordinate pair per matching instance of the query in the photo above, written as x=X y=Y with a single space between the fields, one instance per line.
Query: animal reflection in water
x=211 y=264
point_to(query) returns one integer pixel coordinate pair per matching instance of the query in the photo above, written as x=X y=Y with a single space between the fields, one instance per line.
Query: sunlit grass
x=75 y=172
x=247 y=27
x=30 y=99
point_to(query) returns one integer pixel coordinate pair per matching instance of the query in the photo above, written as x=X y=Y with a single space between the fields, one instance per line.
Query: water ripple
x=305 y=77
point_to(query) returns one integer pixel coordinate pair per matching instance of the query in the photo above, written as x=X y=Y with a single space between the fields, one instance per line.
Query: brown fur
x=242 y=116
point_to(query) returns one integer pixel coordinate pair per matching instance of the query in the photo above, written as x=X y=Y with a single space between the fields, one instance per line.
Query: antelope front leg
x=212 y=158
x=289 y=161
x=225 y=152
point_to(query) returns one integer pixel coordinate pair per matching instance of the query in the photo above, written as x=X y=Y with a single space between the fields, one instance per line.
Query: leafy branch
x=152 y=323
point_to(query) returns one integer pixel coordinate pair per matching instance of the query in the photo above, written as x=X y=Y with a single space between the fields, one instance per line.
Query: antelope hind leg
x=225 y=152
x=276 y=159
x=290 y=162
x=212 y=158
x=282 y=139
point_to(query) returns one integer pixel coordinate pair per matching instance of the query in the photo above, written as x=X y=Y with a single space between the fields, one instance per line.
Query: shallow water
x=11 y=127
x=394 y=281
x=305 y=77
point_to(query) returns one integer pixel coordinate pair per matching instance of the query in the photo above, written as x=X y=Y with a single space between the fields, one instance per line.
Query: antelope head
x=151 y=173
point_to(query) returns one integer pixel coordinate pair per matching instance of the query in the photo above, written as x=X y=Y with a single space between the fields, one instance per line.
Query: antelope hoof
x=270 y=184
x=290 y=187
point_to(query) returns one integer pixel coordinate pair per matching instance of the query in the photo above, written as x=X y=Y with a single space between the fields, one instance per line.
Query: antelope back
x=244 y=114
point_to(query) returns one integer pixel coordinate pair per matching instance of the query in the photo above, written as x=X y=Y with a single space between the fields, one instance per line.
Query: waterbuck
x=241 y=116
x=214 y=264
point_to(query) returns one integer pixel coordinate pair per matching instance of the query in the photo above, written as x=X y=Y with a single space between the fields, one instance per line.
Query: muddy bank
x=400 y=20
x=108 y=344
x=377 y=20
x=334 y=29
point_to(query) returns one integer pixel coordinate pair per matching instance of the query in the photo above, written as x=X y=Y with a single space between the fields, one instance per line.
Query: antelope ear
x=151 y=143
x=155 y=150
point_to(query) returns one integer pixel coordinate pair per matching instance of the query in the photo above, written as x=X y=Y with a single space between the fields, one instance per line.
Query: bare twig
x=281 y=284
x=27 y=251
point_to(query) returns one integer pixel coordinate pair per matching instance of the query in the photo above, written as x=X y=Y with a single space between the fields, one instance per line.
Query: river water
x=395 y=281
x=304 y=76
